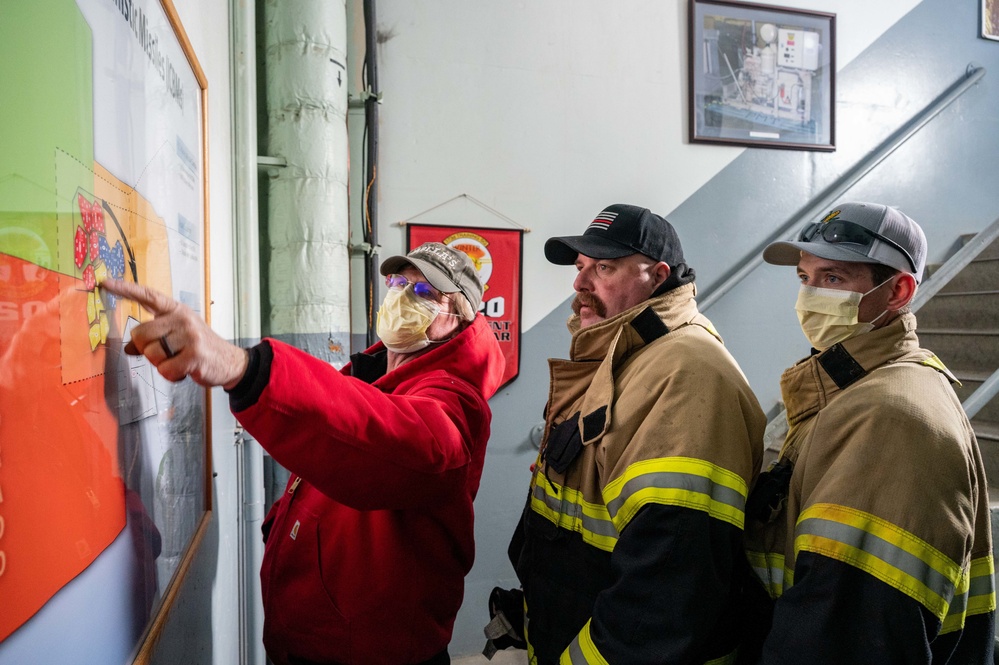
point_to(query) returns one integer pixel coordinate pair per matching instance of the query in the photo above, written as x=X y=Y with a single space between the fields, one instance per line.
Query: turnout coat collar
x=807 y=386
x=596 y=353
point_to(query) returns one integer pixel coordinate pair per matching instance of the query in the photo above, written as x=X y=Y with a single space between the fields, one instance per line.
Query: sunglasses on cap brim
x=840 y=231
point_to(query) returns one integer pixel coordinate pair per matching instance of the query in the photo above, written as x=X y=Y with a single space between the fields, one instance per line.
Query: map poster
x=102 y=174
x=498 y=256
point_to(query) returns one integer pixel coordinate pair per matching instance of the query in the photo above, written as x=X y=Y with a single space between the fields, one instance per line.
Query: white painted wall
x=549 y=110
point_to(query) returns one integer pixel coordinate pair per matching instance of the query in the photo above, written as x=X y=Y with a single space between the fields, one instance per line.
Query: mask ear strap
x=883 y=283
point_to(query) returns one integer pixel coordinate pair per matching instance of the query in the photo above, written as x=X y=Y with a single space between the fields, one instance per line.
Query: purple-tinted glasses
x=421 y=289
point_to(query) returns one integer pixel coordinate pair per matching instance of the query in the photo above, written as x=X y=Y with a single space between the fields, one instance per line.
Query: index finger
x=155 y=302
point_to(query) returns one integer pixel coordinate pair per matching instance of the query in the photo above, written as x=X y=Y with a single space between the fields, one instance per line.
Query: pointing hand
x=178 y=342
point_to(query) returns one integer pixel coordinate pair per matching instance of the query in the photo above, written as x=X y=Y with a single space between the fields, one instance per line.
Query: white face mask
x=403 y=320
x=829 y=316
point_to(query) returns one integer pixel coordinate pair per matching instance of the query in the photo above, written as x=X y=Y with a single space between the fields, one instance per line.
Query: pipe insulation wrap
x=308 y=229
x=301 y=276
x=312 y=196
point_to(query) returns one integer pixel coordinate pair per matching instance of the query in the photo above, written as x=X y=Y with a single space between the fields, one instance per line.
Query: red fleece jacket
x=367 y=550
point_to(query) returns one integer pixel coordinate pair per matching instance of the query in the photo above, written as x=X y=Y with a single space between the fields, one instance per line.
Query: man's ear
x=902 y=292
x=661 y=271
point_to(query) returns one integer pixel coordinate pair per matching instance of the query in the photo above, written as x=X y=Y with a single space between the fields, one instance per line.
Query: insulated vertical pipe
x=308 y=227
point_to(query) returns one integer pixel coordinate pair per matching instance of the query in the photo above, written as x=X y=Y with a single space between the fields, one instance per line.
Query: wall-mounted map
x=101 y=174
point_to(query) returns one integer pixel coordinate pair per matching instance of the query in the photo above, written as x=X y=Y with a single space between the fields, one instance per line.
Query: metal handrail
x=982 y=396
x=821 y=202
x=955 y=264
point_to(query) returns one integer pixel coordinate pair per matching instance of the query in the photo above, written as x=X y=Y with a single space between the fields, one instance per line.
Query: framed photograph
x=990 y=19
x=762 y=76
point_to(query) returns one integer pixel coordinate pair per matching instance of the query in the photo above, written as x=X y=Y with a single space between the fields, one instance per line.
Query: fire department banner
x=498 y=256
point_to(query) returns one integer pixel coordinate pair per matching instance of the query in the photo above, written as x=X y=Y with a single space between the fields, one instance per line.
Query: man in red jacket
x=367 y=550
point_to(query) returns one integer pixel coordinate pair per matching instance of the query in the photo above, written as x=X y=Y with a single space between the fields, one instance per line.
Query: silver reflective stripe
x=882 y=549
x=982 y=585
x=771 y=576
x=958 y=604
x=575 y=511
x=682 y=481
x=576 y=653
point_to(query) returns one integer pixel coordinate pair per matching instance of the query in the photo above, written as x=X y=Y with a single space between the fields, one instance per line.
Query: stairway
x=961 y=325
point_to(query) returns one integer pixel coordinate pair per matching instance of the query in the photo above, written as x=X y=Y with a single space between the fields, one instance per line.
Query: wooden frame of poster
x=498 y=255
x=155 y=628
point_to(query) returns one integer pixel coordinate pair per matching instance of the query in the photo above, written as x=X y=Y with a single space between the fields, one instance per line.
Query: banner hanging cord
x=474 y=200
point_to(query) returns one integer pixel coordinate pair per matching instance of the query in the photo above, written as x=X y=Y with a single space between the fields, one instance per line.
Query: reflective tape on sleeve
x=769 y=567
x=566 y=508
x=886 y=551
x=979 y=596
x=582 y=650
x=677 y=481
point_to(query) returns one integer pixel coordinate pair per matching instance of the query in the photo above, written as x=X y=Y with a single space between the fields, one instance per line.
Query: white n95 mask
x=403 y=320
x=829 y=316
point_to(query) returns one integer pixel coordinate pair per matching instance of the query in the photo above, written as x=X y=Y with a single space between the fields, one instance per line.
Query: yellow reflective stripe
x=677 y=481
x=982 y=588
x=978 y=598
x=884 y=550
x=769 y=567
x=566 y=508
x=531 y=658
x=728 y=659
x=938 y=365
x=582 y=650
x=710 y=327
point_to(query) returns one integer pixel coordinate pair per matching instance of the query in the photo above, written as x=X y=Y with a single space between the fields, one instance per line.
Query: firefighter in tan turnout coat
x=629 y=546
x=872 y=529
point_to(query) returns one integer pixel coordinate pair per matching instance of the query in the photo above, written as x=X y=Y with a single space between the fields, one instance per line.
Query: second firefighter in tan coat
x=872 y=531
x=630 y=543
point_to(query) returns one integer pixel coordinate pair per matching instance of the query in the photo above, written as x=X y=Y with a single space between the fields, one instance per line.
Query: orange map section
x=62 y=499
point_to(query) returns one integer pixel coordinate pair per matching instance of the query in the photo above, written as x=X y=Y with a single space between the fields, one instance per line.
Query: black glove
x=506 y=628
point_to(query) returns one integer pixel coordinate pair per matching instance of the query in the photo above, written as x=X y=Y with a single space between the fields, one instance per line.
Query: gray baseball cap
x=860 y=233
x=447 y=269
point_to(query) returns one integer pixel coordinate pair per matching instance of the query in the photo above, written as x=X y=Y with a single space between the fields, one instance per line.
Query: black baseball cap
x=620 y=230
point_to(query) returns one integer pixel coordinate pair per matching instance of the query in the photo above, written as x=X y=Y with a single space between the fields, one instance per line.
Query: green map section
x=46 y=72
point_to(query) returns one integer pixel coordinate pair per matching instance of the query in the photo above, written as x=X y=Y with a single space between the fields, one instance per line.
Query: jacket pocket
x=301 y=619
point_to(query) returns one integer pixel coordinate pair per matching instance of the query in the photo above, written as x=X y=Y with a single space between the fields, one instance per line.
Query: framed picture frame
x=990 y=19
x=761 y=76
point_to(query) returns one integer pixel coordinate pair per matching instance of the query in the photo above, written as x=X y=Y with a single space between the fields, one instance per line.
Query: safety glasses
x=841 y=231
x=421 y=289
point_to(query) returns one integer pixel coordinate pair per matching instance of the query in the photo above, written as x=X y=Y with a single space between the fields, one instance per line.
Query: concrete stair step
x=987 y=434
x=979 y=275
x=986 y=430
x=990 y=252
x=978 y=310
x=962 y=349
